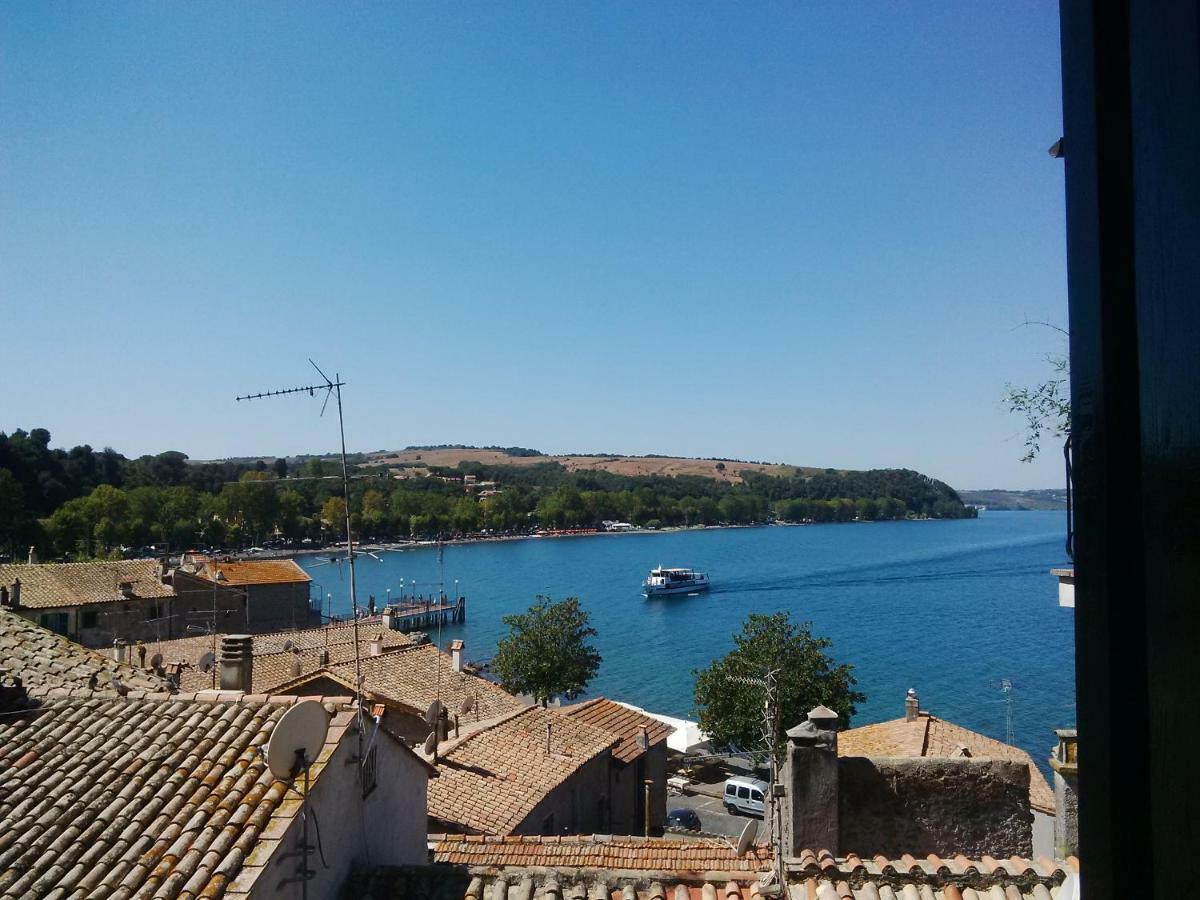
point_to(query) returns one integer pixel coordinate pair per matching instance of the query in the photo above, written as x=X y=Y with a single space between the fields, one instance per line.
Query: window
x=152 y=611
x=89 y=619
x=731 y=790
x=743 y=793
x=756 y=795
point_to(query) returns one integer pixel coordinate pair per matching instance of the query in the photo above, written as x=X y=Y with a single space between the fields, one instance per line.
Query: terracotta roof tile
x=47 y=661
x=623 y=722
x=250 y=571
x=98 y=812
x=491 y=779
x=416 y=676
x=47 y=585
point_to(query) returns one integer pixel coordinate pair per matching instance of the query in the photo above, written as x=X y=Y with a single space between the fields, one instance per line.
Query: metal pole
x=337 y=380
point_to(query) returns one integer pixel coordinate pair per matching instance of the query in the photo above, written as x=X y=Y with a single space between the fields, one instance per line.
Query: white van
x=745 y=795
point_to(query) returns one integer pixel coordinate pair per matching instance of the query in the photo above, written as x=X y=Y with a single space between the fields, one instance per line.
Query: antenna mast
x=1010 y=736
x=331 y=388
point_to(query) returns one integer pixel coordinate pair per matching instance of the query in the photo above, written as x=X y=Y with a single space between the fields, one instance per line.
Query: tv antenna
x=769 y=685
x=333 y=387
x=1010 y=736
x=294 y=744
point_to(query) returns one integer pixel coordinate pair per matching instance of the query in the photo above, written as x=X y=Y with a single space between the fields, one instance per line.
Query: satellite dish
x=207 y=661
x=156 y=661
x=431 y=743
x=288 y=644
x=301 y=731
x=467 y=706
x=434 y=712
x=747 y=837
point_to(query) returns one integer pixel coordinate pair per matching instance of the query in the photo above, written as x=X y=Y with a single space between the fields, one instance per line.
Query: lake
x=952 y=608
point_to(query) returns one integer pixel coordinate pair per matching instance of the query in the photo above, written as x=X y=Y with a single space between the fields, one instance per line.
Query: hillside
x=417 y=461
x=1016 y=500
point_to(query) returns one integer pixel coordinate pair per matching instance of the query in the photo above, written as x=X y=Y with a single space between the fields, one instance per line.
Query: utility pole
x=769 y=685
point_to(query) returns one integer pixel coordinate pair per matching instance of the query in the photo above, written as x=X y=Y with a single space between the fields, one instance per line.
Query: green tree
x=333 y=514
x=546 y=651
x=731 y=712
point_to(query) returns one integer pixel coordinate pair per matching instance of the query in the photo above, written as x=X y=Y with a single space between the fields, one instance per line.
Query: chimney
x=377 y=645
x=912 y=706
x=118 y=651
x=237 y=663
x=456 y=654
x=3 y=595
x=810 y=785
x=1065 y=763
x=33 y=556
x=296 y=668
x=323 y=657
x=127 y=590
x=15 y=598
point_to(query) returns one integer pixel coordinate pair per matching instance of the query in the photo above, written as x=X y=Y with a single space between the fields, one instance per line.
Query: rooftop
x=44 y=661
x=930 y=736
x=492 y=778
x=631 y=868
x=416 y=676
x=622 y=721
x=163 y=796
x=247 y=571
x=48 y=585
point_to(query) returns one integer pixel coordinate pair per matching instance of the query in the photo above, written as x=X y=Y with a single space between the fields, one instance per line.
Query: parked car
x=683 y=818
x=745 y=795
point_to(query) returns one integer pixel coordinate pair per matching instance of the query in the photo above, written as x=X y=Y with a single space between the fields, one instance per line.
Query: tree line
x=82 y=503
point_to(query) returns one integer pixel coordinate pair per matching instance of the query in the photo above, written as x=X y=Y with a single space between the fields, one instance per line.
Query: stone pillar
x=1065 y=763
x=810 y=780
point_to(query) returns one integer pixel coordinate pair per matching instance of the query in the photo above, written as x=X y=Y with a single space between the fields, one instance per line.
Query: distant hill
x=416 y=459
x=1053 y=498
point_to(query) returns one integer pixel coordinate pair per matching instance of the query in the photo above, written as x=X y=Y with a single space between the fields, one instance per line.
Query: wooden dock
x=425 y=613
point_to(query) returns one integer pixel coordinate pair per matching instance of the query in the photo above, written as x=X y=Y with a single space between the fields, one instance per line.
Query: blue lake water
x=951 y=608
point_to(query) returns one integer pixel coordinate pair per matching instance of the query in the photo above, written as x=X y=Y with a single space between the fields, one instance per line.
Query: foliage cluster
x=83 y=502
x=547 y=652
x=731 y=710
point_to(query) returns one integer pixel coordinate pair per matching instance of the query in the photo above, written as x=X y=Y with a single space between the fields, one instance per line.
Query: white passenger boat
x=663 y=581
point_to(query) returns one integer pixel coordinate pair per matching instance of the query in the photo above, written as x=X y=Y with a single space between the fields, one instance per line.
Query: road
x=713 y=818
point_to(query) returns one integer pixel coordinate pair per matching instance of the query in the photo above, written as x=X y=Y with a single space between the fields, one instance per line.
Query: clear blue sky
x=783 y=231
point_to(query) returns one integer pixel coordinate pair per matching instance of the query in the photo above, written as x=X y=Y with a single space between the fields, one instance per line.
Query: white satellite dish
x=431 y=743
x=207 y=661
x=156 y=661
x=288 y=644
x=301 y=732
x=747 y=837
x=434 y=712
x=467 y=705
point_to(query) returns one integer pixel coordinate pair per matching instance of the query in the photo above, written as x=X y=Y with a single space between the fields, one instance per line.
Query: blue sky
x=801 y=232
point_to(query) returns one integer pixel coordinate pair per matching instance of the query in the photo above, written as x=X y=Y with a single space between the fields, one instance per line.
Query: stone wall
x=942 y=806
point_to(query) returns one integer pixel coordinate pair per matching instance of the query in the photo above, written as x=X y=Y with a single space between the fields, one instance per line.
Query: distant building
x=406 y=682
x=639 y=757
x=95 y=603
x=535 y=771
x=278 y=656
x=244 y=595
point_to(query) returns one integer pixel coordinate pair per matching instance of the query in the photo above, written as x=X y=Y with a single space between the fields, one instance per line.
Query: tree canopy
x=731 y=712
x=547 y=651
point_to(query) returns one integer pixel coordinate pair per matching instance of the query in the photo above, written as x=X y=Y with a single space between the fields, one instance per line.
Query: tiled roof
x=616 y=852
x=272 y=671
x=47 y=585
x=932 y=737
x=192 y=648
x=416 y=676
x=577 y=868
x=623 y=722
x=44 y=660
x=491 y=779
x=250 y=571
x=155 y=796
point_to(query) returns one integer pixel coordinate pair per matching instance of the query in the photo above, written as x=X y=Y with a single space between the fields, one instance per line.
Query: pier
x=422 y=614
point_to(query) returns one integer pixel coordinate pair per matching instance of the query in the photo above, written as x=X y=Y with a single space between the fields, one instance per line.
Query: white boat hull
x=662 y=590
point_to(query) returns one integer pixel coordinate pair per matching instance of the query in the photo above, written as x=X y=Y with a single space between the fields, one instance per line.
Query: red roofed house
x=248 y=595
